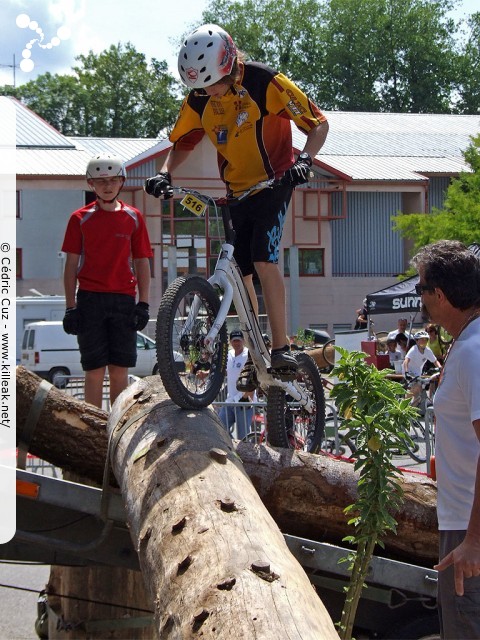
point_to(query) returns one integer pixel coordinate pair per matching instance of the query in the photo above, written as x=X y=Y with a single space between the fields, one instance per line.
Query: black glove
x=299 y=172
x=140 y=316
x=71 y=321
x=159 y=185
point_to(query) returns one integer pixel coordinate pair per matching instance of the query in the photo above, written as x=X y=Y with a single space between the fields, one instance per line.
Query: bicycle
x=415 y=446
x=191 y=321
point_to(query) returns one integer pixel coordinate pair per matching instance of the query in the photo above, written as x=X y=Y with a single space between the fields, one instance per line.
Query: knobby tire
x=292 y=427
x=415 y=452
x=185 y=388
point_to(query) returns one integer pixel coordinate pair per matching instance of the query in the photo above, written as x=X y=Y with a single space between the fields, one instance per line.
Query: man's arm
x=466 y=557
x=70 y=279
x=174 y=159
x=142 y=271
x=316 y=139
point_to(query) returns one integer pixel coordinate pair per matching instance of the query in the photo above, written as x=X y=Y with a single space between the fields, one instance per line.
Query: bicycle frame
x=227 y=276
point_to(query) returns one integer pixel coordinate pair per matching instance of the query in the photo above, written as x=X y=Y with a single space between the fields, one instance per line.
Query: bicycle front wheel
x=290 y=426
x=191 y=374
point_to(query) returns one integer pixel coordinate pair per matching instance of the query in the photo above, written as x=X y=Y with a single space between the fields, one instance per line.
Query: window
x=19 y=264
x=310 y=262
x=18 y=207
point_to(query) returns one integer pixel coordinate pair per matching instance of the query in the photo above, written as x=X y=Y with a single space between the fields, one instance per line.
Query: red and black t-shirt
x=108 y=242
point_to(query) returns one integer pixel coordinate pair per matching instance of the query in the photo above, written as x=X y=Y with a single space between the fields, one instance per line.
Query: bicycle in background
x=191 y=321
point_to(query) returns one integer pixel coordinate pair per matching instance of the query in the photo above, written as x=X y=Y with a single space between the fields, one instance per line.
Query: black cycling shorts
x=258 y=222
x=107 y=335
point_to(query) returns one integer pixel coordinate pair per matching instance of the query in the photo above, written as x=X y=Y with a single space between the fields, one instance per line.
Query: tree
x=283 y=34
x=420 y=59
x=114 y=94
x=353 y=57
x=469 y=70
x=460 y=219
x=124 y=93
x=373 y=55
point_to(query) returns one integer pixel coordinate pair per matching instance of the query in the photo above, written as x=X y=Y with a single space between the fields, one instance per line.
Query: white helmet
x=420 y=334
x=105 y=165
x=206 y=56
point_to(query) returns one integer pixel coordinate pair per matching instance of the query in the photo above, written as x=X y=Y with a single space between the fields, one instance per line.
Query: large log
x=67 y=433
x=212 y=558
x=304 y=493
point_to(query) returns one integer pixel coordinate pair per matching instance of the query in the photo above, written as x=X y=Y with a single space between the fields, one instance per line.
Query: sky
x=47 y=35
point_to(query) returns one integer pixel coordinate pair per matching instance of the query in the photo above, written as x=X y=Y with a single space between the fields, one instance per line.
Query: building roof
x=394 y=146
x=44 y=151
x=34 y=132
x=126 y=148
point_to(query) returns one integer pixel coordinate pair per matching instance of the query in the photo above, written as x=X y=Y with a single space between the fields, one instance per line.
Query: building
x=338 y=242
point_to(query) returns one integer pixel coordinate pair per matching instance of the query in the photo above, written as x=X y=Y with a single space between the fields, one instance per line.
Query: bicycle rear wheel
x=328 y=352
x=291 y=426
x=418 y=435
x=191 y=374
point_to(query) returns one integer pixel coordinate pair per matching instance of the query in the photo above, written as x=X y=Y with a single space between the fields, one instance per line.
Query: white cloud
x=92 y=25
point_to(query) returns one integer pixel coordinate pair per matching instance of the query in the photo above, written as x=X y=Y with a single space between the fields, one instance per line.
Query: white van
x=51 y=353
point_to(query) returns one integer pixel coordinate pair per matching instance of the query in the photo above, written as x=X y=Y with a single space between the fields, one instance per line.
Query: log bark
x=319 y=356
x=304 y=493
x=213 y=560
x=69 y=433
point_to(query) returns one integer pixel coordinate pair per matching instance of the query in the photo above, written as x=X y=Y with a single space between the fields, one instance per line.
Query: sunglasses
x=420 y=288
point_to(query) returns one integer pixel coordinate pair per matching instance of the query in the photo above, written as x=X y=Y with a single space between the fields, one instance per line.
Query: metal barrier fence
x=75 y=387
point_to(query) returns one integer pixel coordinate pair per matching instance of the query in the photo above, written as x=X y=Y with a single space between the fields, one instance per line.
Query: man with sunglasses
x=449 y=285
x=246 y=109
x=108 y=251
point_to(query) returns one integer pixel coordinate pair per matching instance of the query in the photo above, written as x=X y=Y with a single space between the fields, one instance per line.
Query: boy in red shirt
x=108 y=251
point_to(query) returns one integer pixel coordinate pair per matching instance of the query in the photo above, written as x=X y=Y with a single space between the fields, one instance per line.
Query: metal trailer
x=86 y=526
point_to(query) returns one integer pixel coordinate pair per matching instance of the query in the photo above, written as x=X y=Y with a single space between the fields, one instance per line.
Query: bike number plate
x=193 y=204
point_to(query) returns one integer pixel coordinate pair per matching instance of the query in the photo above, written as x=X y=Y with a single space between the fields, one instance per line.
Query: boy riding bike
x=245 y=108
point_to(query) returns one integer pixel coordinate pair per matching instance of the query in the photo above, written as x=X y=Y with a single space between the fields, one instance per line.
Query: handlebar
x=206 y=199
x=425 y=379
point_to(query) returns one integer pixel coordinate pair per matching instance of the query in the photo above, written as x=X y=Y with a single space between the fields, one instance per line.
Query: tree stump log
x=68 y=433
x=213 y=560
x=304 y=493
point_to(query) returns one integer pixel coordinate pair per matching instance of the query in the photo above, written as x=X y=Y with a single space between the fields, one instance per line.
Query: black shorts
x=258 y=222
x=107 y=335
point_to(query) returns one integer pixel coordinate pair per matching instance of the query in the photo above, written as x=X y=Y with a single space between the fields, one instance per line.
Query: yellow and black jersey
x=249 y=126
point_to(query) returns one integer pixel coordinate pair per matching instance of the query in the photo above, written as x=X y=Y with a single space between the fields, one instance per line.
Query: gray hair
x=453 y=268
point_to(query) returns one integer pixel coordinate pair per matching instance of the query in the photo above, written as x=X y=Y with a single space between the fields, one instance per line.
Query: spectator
x=394 y=352
x=449 y=285
x=241 y=416
x=362 y=317
x=402 y=324
x=102 y=241
x=434 y=342
x=402 y=344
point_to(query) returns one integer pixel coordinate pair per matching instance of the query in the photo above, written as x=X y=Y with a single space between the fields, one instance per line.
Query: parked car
x=53 y=354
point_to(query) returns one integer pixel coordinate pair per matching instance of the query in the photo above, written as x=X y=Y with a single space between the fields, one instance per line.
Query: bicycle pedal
x=285 y=374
